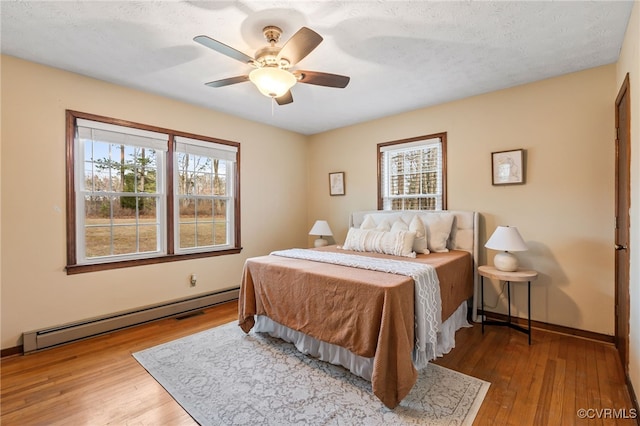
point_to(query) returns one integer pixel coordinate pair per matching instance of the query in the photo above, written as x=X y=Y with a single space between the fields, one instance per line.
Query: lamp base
x=505 y=261
x=320 y=242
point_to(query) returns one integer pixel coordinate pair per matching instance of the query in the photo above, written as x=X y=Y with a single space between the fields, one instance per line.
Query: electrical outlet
x=193 y=280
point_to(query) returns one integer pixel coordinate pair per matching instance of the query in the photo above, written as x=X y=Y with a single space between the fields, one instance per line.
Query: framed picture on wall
x=336 y=183
x=507 y=167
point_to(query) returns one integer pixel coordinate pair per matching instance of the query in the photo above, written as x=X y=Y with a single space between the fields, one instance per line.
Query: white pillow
x=398 y=243
x=384 y=226
x=420 y=241
x=368 y=223
x=438 y=227
x=391 y=217
x=399 y=225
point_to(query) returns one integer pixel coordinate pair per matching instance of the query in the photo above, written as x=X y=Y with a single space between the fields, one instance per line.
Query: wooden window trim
x=72 y=266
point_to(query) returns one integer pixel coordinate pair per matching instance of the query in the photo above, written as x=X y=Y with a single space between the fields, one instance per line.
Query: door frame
x=622 y=298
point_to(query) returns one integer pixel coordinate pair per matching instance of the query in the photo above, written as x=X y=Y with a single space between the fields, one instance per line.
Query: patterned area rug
x=223 y=377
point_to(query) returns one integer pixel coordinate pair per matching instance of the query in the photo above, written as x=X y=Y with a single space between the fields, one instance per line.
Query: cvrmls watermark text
x=607 y=413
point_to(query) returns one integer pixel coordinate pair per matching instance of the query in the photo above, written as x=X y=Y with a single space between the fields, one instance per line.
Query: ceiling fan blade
x=300 y=45
x=223 y=48
x=228 y=81
x=287 y=98
x=322 y=79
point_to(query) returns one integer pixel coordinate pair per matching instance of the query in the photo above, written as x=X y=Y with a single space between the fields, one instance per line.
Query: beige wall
x=36 y=292
x=629 y=62
x=564 y=211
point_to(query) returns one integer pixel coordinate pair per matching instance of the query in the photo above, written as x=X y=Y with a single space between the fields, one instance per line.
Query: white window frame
x=388 y=149
x=95 y=131
x=225 y=153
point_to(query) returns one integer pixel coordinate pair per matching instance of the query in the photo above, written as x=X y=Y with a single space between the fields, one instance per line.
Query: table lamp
x=321 y=228
x=506 y=239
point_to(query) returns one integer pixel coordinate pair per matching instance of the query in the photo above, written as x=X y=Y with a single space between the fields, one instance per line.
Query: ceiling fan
x=271 y=74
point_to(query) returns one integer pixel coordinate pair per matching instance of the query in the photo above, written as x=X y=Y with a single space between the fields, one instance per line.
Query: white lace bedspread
x=428 y=305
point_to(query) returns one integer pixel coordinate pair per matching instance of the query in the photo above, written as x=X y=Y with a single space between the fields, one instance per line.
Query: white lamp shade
x=506 y=238
x=321 y=227
x=271 y=81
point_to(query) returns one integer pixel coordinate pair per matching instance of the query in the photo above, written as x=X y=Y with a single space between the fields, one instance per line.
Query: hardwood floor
x=98 y=382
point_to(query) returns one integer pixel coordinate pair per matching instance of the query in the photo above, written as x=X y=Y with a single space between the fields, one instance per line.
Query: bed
x=378 y=305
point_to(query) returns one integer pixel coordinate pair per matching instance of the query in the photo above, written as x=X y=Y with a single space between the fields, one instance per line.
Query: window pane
x=203 y=222
x=194 y=174
x=120 y=225
x=98 y=238
x=190 y=208
x=413 y=184
x=427 y=203
x=148 y=238
x=221 y=221
x=204 y=234
x=204 y=210
x=187 y=210
x=430 y=183
x=204 y=218
x=124 y=239
x=203 y=184
x=220 y=185
x=97 y=207
x=397 y=163
x=394 y=186
x=187 y=235
x=220 y=236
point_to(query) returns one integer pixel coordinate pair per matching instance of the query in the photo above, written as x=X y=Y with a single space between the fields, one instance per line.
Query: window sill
x=80 y=269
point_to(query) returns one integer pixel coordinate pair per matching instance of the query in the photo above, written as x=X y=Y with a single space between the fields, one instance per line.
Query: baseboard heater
x=67 y=333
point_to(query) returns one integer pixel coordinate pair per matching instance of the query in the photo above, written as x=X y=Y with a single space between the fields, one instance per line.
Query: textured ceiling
x=400 y=55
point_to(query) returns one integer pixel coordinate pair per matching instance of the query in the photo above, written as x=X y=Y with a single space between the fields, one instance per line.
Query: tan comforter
x=368 y=312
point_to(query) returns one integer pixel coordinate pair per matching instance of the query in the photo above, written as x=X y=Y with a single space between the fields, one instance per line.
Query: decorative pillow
x=399 y=225
x=398 y=243
x=384 y=226
x=379 y=217
x=420 y=241
x=438 y=227
x=368 y=223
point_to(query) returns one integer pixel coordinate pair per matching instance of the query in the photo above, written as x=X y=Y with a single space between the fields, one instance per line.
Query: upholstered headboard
x=463 y=236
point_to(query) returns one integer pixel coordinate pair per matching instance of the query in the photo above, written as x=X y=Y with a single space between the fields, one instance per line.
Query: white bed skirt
x=358 y=365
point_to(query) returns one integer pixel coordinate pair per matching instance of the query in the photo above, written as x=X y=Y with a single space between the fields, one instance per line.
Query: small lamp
x=506 y=239
x=321 y=228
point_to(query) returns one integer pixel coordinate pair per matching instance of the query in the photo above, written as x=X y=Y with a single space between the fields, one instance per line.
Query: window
x=138 y=194
x=119 y=191
x=203 y=197
x=412 y=173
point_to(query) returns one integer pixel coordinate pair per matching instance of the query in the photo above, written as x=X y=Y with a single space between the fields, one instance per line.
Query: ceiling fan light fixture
x=271 y=81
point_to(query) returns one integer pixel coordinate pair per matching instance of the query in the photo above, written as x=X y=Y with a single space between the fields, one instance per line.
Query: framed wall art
x=336 y=183
x=507 y=167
